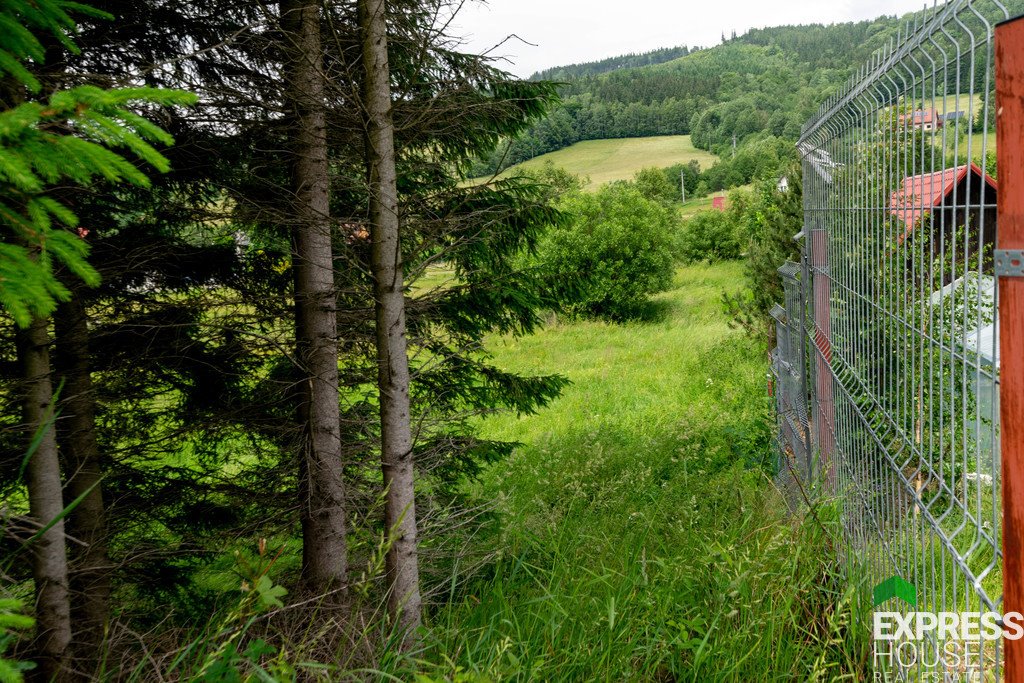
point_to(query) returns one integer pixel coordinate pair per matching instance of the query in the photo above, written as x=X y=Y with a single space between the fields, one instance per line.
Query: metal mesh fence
x=792 y=448
x=888 y=343
x=789 y=367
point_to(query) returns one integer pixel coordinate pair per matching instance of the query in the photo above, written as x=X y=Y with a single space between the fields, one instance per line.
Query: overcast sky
x=572 y=31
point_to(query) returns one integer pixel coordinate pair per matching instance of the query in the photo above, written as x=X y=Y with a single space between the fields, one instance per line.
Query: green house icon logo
x=894 y=587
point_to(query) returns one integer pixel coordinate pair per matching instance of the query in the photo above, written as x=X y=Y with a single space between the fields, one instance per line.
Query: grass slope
x=618 y=159
x=640 y=536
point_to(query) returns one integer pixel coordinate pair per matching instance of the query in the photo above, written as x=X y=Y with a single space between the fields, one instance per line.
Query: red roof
x=920 y=117
x=923 y=192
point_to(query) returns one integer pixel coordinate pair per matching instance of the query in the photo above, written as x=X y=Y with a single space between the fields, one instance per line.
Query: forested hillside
x=565 y=73
x=766 y=82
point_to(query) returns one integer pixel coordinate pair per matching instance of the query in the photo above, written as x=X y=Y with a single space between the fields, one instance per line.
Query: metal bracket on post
x=1009 y=262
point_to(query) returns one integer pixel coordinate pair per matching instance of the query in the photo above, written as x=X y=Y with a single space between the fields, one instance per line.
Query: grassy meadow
x=693 y=206
x=640 y=536
x=979 y=141
x=951 y=103
x=618 y=159
x=968 y=104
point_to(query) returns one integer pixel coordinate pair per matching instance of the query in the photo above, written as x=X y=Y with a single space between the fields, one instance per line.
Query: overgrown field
x=641 y=537
x=619 y=159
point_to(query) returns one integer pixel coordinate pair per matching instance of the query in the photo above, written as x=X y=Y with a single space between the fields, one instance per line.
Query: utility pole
x=682 y=184
x=734 y=145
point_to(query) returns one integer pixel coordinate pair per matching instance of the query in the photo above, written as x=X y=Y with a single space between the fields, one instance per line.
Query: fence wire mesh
x=886 y=364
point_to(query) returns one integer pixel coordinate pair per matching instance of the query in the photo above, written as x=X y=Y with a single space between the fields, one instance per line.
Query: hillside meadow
x=603 y=161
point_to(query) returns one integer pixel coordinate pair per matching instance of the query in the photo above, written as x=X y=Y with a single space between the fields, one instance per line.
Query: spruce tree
x=76 y=136
x=322 y=505
x=393 y=380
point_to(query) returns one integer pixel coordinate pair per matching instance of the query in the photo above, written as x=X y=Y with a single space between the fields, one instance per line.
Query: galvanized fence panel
x=898 y=387
x=789 y=363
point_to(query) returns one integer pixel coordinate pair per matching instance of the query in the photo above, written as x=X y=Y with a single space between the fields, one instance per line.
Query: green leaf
x=270 y=595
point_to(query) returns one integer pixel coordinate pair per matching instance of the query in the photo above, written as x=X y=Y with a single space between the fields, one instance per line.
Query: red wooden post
x=1010 y=162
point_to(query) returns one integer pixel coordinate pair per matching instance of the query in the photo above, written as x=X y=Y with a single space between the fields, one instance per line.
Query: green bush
x=612 y=253
x=709 y=236
x=554 y=180
x=653 y=183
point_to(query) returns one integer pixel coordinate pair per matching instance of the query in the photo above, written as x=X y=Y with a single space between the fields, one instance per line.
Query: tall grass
x=642 y=538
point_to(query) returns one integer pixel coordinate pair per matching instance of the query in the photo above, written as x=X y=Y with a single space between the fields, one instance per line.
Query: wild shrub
x=610 y=256
x=554 y=181
x=709 y=236
x=654 y=184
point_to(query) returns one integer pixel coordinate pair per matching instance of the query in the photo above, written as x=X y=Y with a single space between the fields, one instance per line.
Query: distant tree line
x=580 y=118
x=627 y=61
x=768 y=80
x=713 y=94
x=759 y=157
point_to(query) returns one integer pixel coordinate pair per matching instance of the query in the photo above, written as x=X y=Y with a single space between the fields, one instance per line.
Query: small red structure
x=718 y=203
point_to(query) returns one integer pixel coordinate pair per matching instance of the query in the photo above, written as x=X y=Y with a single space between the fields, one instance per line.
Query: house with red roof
x=922 y=119
x=937 y=204
x=718 y=202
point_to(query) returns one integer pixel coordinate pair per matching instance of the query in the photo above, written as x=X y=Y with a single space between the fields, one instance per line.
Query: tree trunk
x=392 y=356
x=90 y=566
x=322 y=487
x=49 y=557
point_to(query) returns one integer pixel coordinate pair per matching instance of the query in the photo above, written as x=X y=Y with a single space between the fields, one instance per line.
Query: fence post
x=1009 y=37
x=823 y=340
x=805 y=362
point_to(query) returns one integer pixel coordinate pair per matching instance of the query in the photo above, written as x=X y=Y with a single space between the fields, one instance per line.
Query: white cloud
x=570 y=31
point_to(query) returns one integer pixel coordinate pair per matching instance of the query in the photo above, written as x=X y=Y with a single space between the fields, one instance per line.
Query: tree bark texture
x=89 y=574
x=324 y=553
x=49 y=557
x=404 y=602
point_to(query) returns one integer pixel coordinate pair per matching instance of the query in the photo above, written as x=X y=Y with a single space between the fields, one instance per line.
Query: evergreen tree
x=393 y=380
x=182 y=360
x=322 y=502
x=50 y=137
x=67 y=136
